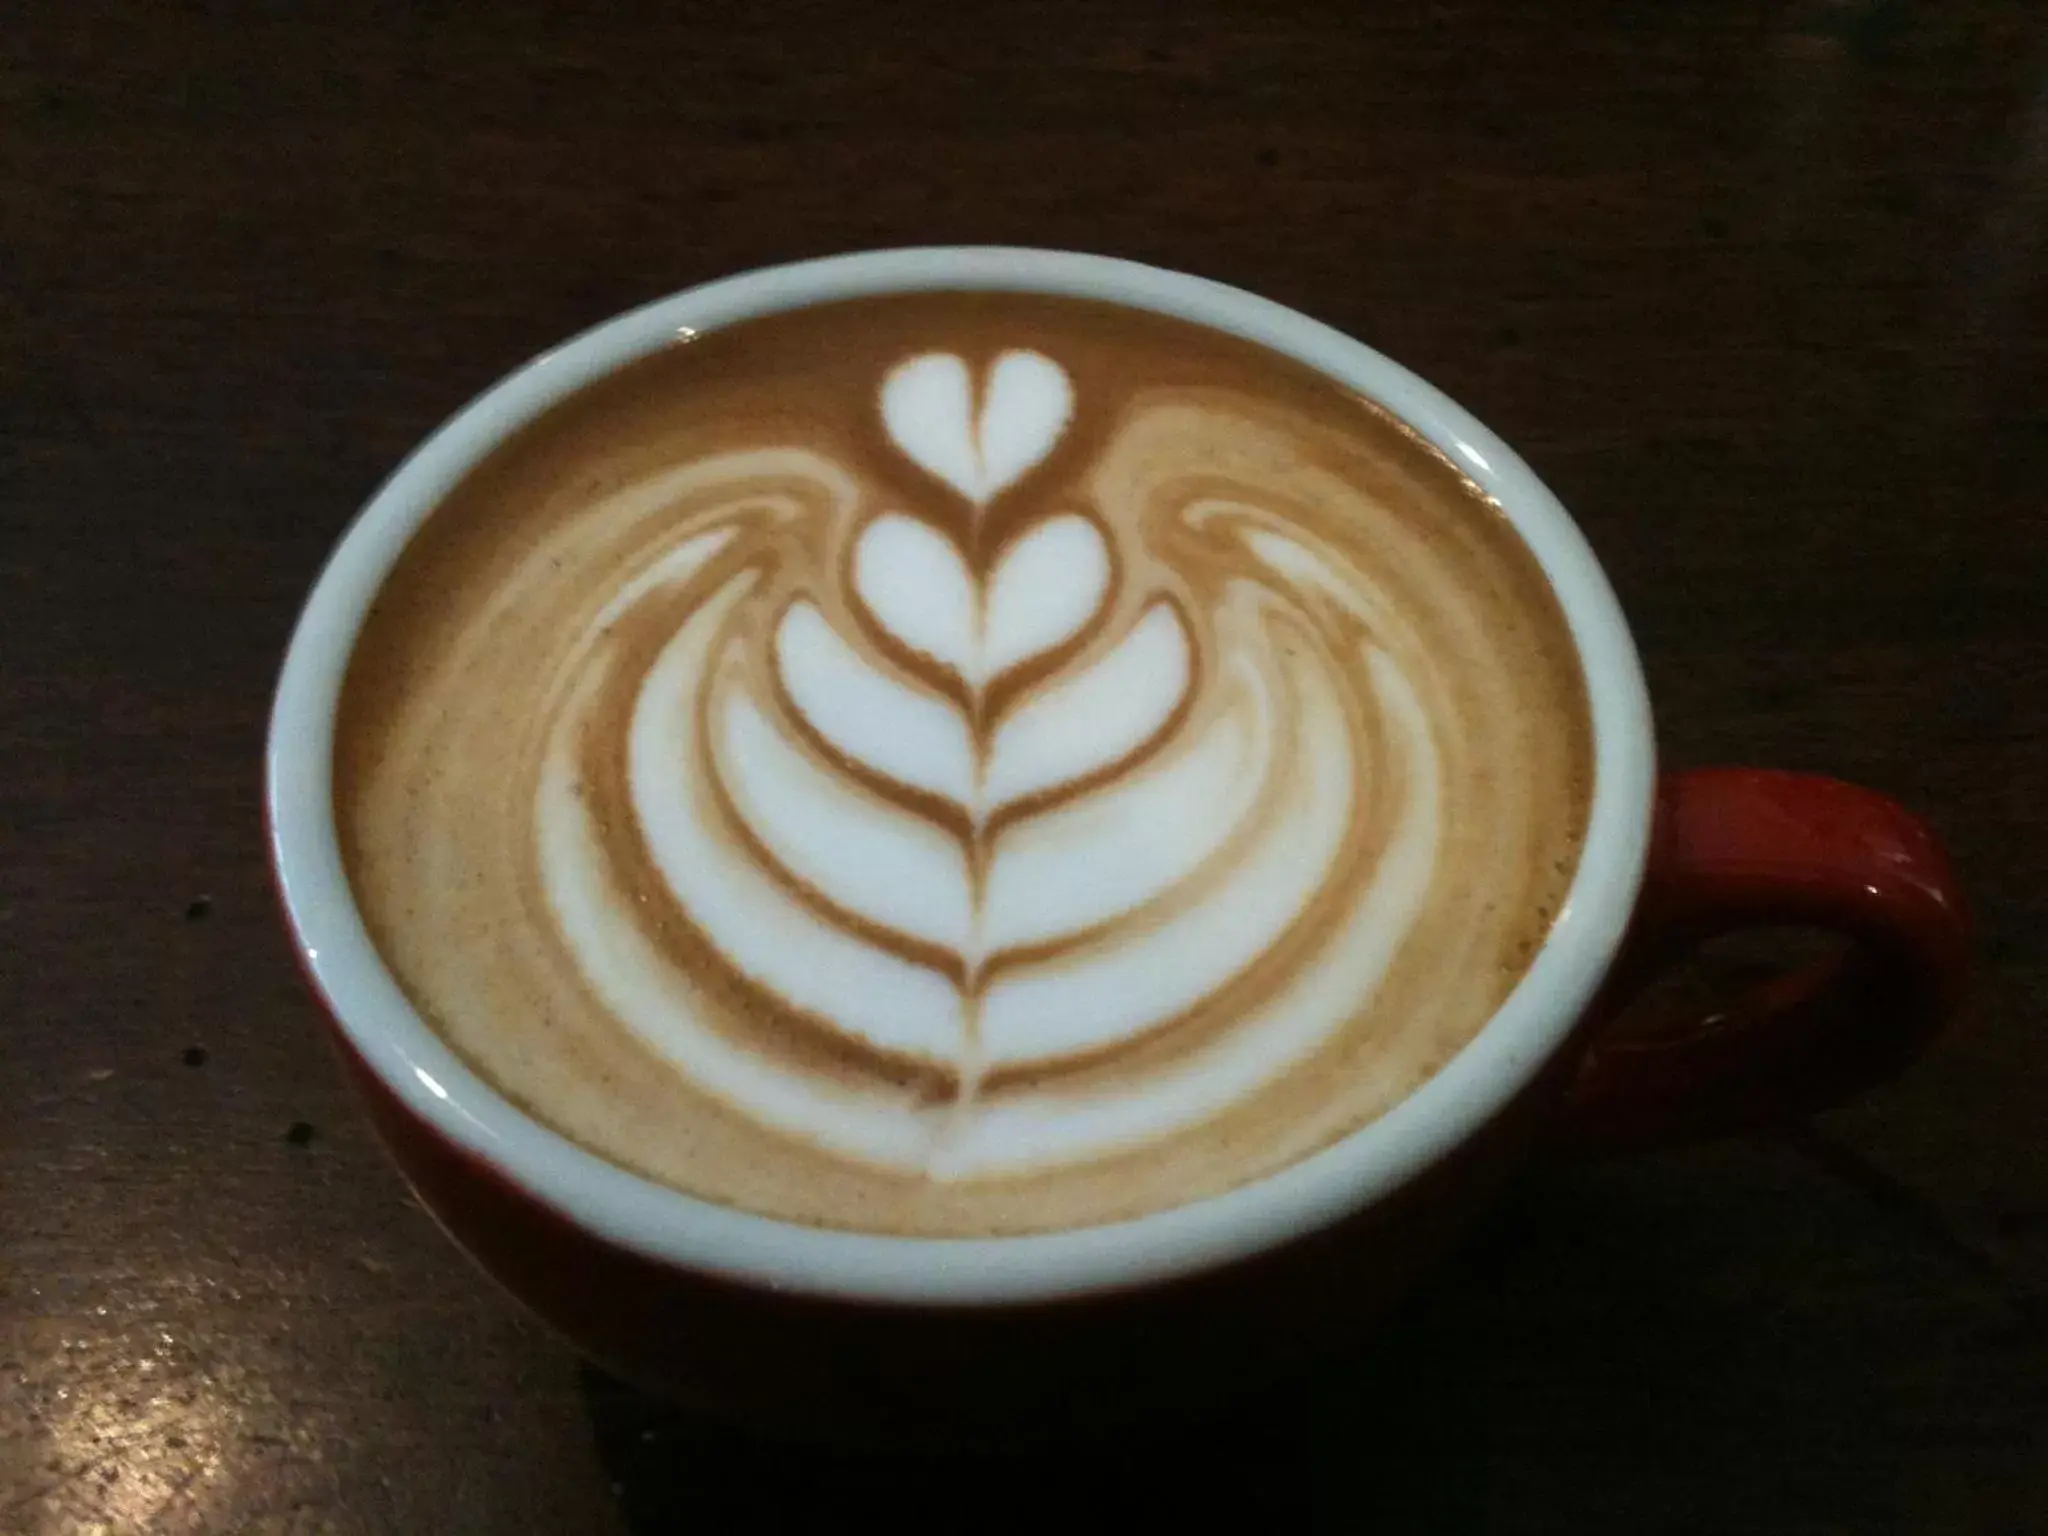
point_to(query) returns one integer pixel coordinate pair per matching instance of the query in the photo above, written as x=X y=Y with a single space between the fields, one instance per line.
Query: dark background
x=1755 y=286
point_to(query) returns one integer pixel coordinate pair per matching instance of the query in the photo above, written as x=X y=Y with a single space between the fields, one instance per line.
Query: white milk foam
x=1042 y=780
x=1171 y=876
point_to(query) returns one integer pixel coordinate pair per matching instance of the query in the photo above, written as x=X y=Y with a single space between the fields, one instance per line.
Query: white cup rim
x=434 y=1085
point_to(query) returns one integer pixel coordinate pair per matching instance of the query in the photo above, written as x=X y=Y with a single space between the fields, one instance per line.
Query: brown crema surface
x=1320 y=769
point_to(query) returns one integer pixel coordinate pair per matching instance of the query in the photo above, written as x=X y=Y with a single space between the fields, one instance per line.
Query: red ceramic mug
x=852 y=1332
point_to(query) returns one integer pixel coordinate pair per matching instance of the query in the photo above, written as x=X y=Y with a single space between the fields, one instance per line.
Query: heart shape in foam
x=928 y=406
x=1042 y=592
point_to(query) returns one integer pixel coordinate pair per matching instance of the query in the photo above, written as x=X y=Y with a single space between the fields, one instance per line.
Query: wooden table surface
x=1757 y=287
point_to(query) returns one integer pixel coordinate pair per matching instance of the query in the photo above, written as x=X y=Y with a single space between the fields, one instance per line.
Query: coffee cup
x=791 y=1206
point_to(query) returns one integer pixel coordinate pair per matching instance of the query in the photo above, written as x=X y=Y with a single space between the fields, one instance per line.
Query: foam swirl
x=986 y=818
x=976 y=822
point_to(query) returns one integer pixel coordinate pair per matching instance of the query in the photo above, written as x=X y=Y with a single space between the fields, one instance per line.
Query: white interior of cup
x=654 y=1220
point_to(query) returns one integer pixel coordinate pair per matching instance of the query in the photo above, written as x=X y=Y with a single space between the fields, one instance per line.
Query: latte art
x=939 y=835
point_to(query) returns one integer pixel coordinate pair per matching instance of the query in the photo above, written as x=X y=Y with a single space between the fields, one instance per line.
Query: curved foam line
x=1087 y=722
x=914 y=738
x=878 y=861
x=761 y=928
x=1014 y=1135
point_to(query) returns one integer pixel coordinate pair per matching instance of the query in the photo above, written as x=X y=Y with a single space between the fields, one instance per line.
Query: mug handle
x=1747 y=848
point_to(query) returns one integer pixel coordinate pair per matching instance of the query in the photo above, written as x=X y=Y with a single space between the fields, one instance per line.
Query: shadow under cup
x=837 y=1332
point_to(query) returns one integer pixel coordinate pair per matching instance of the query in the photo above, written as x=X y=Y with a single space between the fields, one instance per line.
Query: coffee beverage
x=961 y=763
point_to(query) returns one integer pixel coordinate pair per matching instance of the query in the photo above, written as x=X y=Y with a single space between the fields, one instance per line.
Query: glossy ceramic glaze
x=837 y=1332
x=428 y=1079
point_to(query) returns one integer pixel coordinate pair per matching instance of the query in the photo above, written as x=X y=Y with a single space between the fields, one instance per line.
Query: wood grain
x=1756 y=287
